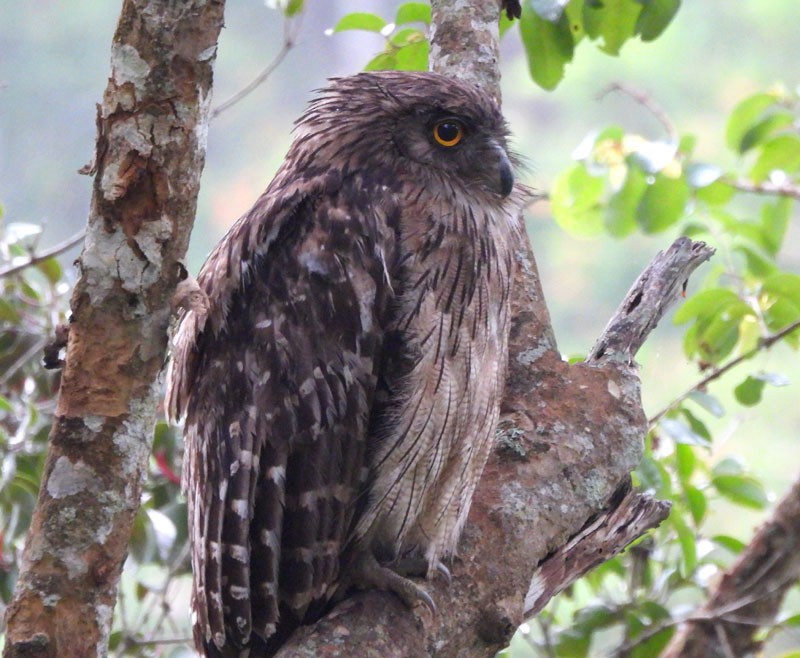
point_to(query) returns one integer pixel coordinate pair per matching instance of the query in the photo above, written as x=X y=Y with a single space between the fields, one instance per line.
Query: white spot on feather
x=240 y=506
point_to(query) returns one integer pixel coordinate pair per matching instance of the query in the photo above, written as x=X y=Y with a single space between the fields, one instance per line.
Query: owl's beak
x=504 y=181
x=506 y=176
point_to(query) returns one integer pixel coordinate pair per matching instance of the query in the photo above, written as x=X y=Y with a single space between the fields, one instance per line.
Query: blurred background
x=54 y=63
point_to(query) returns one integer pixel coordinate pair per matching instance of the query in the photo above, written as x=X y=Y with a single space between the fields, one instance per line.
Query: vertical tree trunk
x=149 y=156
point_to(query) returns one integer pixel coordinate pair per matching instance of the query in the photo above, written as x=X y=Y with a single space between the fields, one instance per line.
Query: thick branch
x=149 y=156
x=750 y=593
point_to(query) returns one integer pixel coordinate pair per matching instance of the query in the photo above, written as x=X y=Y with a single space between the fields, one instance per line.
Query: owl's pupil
x=448 y=133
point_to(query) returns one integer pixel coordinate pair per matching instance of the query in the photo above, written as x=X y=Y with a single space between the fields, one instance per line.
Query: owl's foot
x=418 y=566
x=368 y=574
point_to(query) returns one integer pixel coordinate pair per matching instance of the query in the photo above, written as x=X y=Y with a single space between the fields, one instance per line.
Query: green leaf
x=593 y=617
x=764 y=129
x=575 y=201
x=653 y=614
x=686 y=539
x=413 y=12
x=620 y=216
x=755 y=263
x=780 y=314
x=573 y=642
x=742 y=490
x=744 y=116
x=662 y=203
x=413 y=57
x=774 y=222
x=696 y=502
x=8 y=313
x=385 y=61
x=748 y=393
x=548 y=47
x=729 y=543
x=51 y=268
x=708 y=402
x=707 y=303
x=682 y=433
x=715 y=194
x=655 y=17
x=612 y=20
x=698 y=427
x=685 y=461
x=360 y=21
x=718 y=338
x=783 y=286
x=293 y=7
x=406 y=36
x=653 y=475
x=728 y=466
x=781 y=153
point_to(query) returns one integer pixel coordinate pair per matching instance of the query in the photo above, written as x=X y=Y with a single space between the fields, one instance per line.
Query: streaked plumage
x=341 y=390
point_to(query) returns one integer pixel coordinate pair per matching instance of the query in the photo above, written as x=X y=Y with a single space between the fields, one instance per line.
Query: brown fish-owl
x=341 y=388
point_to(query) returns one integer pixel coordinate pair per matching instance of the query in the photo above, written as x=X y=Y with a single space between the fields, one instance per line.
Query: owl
x=341 y=387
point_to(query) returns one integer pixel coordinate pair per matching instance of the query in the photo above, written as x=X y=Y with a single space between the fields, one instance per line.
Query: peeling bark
x=149 y=156
x=749 y=594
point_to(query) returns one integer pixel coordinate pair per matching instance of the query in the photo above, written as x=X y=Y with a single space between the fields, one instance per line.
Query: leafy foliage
x=551 y=29
x=406 y=48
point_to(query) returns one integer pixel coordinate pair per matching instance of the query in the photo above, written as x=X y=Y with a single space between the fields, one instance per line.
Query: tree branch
x=786 y=189
x=290 y=29
x=149 y=155
x=749 y=594
x=764 y=343
x=36 y=258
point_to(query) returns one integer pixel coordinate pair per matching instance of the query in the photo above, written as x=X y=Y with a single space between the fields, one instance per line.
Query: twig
x=50 y=253
x=290 y=29
x=764 y=344
x=768 y=188
x=646 y=101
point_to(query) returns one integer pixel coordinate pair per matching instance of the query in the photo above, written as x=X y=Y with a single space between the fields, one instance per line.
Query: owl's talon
x=371 y=575
x=444 y=571
x=418 y=566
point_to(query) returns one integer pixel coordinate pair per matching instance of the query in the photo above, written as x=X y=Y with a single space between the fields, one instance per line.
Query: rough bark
x=748 y=596
x=149 y=155
x=555 y=492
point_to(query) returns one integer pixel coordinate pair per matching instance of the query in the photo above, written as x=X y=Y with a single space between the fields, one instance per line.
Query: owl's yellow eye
x=448 y=133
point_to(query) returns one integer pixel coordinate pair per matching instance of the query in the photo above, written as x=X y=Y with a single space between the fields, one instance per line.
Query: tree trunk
x=149 y=156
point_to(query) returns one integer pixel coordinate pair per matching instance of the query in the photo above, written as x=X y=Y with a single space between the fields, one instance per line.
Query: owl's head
x=419 y=126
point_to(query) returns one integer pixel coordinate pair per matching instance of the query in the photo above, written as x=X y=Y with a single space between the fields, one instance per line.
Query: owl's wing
x=276 y=383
